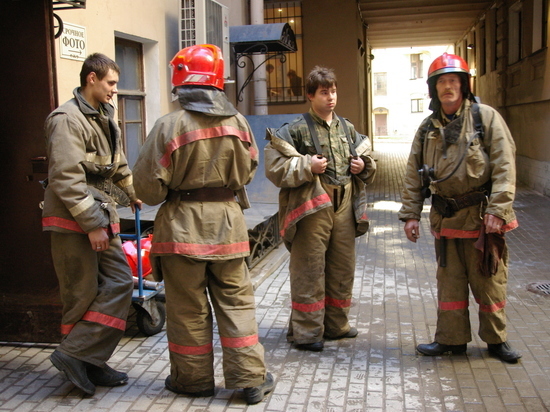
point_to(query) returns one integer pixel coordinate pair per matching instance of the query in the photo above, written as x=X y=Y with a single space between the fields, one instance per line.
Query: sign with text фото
x=72 y=42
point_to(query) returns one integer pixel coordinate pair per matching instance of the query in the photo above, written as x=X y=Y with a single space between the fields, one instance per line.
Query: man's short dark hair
x=320 y=76
x=99 y=64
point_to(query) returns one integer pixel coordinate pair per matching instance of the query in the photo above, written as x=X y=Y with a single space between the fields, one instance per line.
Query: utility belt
x=448 y=206
x=203 y=194
x=106 y=185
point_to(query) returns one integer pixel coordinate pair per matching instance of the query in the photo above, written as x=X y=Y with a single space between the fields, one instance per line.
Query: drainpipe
x=260 y=81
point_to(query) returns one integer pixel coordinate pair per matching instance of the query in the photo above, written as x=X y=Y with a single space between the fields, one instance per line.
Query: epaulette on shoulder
x=299 y=118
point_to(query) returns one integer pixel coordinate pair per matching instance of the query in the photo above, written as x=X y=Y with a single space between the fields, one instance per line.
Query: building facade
x=506 y=48
x=400 y=99
x=507 y=51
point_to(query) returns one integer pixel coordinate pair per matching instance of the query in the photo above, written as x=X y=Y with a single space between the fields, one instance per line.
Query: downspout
x=260 y=81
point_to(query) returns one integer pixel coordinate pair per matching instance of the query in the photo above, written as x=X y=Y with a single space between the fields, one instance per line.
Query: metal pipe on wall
x=260 y=80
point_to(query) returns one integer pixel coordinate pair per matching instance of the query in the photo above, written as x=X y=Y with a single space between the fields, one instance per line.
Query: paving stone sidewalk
x=394 y=309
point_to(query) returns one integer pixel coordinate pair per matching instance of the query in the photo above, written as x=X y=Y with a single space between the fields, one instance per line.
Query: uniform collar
x=446 y=119
x=88 y=109
x=322 y=122
x=207 y=100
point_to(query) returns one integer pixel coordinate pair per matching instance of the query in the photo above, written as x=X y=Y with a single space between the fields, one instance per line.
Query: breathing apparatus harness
x=447 y=207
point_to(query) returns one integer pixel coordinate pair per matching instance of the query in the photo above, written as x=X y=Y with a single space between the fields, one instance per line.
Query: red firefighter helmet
x=448 y=63
x=200 y=65
x=130 y=251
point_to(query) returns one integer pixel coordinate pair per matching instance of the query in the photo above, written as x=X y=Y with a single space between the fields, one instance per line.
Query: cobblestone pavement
x=394 y=309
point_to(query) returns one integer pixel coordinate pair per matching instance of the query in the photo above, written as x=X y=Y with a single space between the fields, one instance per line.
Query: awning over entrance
x=68 y=4
x=257 y=39
x=262 y=38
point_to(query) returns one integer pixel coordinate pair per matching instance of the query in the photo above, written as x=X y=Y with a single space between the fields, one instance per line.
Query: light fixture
x=470 y=46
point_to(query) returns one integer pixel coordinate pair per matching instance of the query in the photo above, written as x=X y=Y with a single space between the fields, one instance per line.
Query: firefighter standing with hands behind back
x=464 y=157
x=196 y=160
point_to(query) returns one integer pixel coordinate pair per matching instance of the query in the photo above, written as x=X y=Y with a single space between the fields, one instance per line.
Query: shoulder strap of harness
x=478 y=125
x=476 y=114
x=313 y=132
x=346 y=131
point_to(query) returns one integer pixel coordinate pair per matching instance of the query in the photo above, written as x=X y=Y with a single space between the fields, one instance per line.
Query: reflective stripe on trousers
x=190 y=323
x=453 y=283
x=96 y=292
x=322 y=268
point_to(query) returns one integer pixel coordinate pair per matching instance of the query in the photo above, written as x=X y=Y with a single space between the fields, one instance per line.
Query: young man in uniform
x=87 y=175
x=322 y=166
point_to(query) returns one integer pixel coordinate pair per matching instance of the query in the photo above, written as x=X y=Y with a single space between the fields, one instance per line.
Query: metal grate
x=540 y=288
x=188 y=34
x=212 y=21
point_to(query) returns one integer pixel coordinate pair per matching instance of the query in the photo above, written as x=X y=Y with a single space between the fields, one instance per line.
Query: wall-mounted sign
x=72 y=42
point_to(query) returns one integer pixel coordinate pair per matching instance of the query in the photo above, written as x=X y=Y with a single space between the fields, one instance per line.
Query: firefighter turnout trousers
x=462 y=269
x=96 y=292
x=190 y=323
x=322 y=269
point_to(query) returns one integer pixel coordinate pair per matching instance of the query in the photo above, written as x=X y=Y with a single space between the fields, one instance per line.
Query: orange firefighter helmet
x=449 y=63
x=200 y=65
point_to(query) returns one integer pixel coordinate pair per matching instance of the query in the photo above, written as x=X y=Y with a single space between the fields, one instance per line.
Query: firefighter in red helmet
x=199 y=66
x=196 y=161
x=449 y=63
x=463 y=156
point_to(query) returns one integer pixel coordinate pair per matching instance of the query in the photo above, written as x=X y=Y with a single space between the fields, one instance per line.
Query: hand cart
x=147 y=301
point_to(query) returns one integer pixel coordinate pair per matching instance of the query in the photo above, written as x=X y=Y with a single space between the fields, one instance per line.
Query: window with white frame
x=417 y=105
x=380 y=84
x=416 y=66
x=131 y=97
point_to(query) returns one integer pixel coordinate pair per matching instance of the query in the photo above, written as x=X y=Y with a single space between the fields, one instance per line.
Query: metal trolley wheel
x=150 y=321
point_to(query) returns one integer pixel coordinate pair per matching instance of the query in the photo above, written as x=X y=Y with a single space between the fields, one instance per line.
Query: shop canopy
x=262 y=38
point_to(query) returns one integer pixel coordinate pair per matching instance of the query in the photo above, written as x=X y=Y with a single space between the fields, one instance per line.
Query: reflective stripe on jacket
x=79 y=141
x=301 y=191
x=188 y=150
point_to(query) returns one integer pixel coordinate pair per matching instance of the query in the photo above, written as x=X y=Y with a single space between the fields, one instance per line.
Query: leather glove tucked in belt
x=492 y=247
